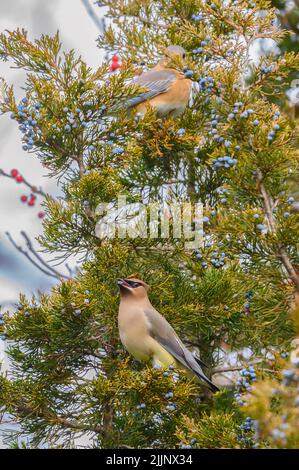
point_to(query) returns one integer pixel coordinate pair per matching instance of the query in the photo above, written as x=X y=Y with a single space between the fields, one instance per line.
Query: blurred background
x=77 y=31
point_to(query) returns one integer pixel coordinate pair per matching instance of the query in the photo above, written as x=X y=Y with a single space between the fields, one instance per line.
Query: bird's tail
x=208 y=382
x=212 y=386
x=194 y=365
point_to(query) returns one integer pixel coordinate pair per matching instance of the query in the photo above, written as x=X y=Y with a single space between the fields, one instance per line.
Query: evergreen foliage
x=233 y=151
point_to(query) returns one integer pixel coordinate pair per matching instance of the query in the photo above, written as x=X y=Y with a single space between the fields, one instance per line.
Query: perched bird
x=169 y=92
x=148 y=336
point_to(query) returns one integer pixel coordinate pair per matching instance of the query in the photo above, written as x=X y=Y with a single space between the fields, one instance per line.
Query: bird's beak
x=122 y=283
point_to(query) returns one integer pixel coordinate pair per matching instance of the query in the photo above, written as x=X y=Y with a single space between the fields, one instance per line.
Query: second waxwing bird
x=148 y=336
x=168 y=91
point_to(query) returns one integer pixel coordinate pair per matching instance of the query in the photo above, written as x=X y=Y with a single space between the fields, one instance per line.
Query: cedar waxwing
x=148 y=336
x=169 y=92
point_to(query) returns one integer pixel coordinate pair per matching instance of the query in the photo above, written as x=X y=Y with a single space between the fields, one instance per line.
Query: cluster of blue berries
x=206 y=83
x=187 y=72
x=171 y=406
x=272 y=133
x=236 y=110
x=243 y=115
x=248 y=427
x=244 y=383
x=203 y=44
x=222 y=193
x=21 y=308
x=141 y=406
x=217 y=259
x=261 y=227
x=276 y=114
x=224 y=162
x=113 y=139
x=77 y=312
x=73 y=119
x=248 y=296
x=79 y=118
x=28 y=116
x=118 y=151
x=265 y=69
x=214 y=130
x=197 y=17
x=284 y=355
x=188 y=446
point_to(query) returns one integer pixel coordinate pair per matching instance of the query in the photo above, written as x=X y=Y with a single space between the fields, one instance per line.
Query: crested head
x=132 y=288
x=175 y=51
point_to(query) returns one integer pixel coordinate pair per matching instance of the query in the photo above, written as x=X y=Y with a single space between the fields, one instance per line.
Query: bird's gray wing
x=156 y=82
x=161 y=331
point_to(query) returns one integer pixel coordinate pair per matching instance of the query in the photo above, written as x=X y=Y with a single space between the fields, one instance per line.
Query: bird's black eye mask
x=133 y=284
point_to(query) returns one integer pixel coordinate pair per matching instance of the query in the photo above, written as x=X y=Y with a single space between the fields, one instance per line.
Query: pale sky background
x=78 y=32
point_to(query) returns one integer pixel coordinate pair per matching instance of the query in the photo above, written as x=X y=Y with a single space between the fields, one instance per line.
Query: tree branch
x=33 y=188
x=43 y=262
x=78 y=426
x=49 y=272
x=281 y=252
x=26 y=411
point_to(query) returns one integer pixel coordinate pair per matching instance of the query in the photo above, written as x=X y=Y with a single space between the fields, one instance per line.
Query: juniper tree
x=234 y=152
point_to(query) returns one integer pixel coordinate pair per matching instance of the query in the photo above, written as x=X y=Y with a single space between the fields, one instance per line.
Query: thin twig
x=99 y=22
x=33 y=188
x=32 y=250
x=32 y=261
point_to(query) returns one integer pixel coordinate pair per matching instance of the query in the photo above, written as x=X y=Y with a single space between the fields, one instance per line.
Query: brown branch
x=222 y=370
x=81 y=165
x=26 y=411
x=78 y=426
x=281 y=251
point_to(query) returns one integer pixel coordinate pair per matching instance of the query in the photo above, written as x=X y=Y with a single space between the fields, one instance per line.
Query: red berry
x=114 y=67
x=24 y=198
x=19 y=179
x=14 y=173
x=41 y=215
x=115 y=63
x=31 y=203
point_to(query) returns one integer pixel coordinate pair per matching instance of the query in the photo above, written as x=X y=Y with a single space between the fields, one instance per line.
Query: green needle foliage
x=234 y=152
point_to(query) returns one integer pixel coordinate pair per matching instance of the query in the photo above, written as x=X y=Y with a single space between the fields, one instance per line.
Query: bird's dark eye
x=184 y=56
x=135 y=284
